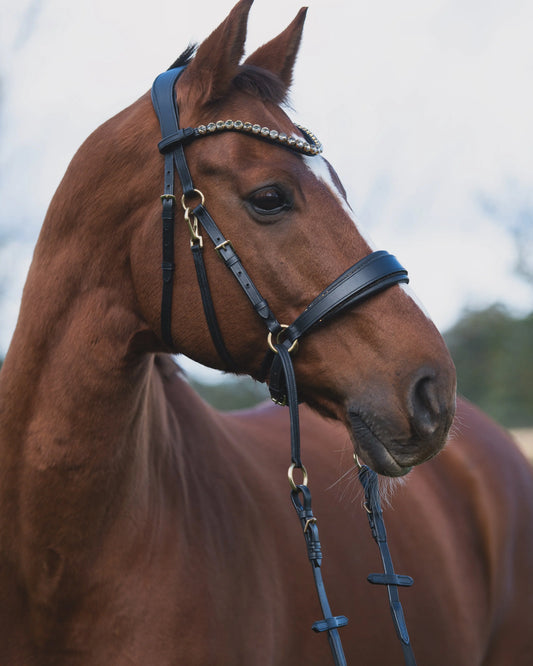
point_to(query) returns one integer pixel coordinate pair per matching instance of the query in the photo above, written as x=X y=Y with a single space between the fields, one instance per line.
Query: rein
x=372 y=274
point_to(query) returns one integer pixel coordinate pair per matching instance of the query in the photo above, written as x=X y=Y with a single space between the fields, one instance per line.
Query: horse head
x=382 y=367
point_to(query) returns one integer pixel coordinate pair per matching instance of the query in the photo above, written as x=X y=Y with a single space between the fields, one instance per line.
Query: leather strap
x=330 y=623
x=172 y=146
x=209 y=308
x=228 y=255
x=292 y=401
x=372 y=274
x=167 y=266
x=164 y=102
x=370 y=483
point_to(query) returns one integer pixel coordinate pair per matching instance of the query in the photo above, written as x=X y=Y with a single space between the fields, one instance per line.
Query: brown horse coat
x=140 y=526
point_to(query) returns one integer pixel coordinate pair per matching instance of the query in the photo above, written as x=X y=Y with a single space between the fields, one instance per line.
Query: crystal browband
x=310 y=145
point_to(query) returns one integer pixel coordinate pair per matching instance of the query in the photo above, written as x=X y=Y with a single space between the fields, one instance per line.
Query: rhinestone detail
x=310 y=145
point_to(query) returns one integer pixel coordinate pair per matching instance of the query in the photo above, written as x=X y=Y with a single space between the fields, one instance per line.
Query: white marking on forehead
x=320 y=169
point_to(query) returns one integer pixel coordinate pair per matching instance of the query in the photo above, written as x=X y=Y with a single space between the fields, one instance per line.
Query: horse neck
x=80 y=400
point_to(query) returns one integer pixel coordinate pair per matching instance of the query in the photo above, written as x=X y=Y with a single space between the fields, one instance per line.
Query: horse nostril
x=424 y=406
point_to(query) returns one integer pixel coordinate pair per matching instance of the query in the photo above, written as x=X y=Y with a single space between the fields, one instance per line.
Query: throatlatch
x=367 y=277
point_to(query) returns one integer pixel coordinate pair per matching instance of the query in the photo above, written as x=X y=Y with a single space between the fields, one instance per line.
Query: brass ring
x=291 y=479
x=292 y=348
x=195 y=191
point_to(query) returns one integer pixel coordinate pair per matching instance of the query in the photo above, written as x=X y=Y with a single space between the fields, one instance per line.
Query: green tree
x=492 y=353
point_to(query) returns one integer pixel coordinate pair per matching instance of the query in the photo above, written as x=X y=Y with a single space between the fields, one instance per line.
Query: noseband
x=367 y=277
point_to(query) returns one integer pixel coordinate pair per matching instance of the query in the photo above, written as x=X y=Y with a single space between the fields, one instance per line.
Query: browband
x=311 y=146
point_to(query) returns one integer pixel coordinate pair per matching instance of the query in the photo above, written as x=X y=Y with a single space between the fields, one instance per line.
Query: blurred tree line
x=492 y=351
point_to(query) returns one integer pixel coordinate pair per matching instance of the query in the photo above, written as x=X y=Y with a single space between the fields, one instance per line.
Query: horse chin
x=373 y=451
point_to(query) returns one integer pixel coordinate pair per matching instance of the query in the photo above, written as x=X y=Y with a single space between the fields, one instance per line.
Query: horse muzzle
x=392 y=443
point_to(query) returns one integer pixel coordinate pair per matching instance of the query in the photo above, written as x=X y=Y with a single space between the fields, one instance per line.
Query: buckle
x=224 y=244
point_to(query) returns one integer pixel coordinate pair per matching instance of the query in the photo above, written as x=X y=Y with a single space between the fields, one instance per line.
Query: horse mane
x=253 y=80
x=185 y=58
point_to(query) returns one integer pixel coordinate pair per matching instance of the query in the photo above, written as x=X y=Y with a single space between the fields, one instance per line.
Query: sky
x=424 y=107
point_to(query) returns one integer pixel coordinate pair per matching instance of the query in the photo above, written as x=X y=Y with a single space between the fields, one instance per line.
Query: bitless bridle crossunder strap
x=373 y=274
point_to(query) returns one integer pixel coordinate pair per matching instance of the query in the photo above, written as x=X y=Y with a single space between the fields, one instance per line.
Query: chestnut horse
x=141 y=526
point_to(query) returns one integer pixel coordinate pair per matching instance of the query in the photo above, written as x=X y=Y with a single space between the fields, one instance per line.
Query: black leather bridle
x=367 y=277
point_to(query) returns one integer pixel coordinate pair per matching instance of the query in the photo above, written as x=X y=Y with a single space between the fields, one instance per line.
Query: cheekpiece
x=310 y=145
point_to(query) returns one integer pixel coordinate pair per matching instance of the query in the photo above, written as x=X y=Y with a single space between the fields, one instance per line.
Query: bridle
x=367 y=277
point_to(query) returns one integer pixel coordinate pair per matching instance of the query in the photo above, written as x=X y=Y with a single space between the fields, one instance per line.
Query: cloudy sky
x=425 y=108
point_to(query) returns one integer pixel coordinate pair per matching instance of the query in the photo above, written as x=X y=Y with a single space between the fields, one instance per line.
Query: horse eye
x=269 y=201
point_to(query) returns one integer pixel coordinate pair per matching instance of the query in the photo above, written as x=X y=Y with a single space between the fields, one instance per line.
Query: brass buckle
x=219 y=248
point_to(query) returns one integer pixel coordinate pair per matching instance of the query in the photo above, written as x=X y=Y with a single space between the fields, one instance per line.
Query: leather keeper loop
x=169 y=143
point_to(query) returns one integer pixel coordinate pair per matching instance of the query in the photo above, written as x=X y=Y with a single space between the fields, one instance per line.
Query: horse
x=141 y=526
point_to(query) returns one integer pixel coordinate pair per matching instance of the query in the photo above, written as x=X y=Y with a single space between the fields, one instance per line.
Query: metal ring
x=292 y=348
x=189 y=194
x=291 y=479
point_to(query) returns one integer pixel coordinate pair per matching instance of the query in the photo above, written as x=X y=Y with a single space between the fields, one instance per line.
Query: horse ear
x=279 y=54
x=217 y=60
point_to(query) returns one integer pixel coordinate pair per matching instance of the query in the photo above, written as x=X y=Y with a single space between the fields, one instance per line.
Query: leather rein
x=367 y=277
